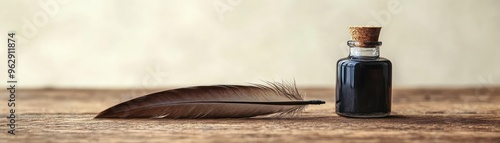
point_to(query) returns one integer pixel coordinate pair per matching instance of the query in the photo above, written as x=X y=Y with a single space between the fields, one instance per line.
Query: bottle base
x=364 y=115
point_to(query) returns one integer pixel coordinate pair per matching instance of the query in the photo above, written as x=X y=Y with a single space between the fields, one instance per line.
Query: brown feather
x=217 y=101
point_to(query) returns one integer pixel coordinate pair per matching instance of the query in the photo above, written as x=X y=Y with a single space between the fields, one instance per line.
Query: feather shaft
x=315 y=102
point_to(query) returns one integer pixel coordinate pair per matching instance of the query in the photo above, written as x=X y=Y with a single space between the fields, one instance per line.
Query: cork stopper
x=364 y=33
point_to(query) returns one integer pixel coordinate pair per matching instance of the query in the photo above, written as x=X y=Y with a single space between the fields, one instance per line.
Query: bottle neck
x=362 y=52
x=368 y=50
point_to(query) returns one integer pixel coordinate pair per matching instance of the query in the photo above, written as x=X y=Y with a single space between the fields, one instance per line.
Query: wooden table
x=428 y=115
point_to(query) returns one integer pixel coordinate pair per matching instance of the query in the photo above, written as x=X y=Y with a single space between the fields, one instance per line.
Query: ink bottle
x=363 y=86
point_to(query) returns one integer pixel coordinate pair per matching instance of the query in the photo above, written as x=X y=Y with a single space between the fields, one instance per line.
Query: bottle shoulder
x=350 y=60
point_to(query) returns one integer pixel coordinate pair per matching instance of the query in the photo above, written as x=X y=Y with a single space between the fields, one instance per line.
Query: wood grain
x=419 y=115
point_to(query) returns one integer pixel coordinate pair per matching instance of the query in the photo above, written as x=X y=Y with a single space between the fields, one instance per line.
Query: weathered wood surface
x=419 y=115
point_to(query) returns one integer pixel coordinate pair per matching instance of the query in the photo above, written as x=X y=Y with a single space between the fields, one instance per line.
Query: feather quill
x=216 y=101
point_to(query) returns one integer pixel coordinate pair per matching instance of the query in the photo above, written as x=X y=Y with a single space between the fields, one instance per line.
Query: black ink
x=363 y=87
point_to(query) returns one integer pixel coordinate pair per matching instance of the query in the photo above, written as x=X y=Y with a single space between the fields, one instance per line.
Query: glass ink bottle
x=363 y=78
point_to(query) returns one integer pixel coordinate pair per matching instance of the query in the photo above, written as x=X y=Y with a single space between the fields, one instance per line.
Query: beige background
x=125 y=43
